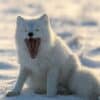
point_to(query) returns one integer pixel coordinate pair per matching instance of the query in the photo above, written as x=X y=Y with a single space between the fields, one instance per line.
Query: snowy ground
x=76 y=21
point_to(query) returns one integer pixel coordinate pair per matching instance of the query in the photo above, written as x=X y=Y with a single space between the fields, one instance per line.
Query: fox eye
x=37 y=30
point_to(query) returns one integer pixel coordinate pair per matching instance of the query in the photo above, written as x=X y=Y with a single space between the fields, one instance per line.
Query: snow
x=76 y=21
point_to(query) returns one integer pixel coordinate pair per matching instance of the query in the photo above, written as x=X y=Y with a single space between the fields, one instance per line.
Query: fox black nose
x=30 y=34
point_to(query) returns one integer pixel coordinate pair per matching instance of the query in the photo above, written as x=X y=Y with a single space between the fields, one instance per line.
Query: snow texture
x=76 y=22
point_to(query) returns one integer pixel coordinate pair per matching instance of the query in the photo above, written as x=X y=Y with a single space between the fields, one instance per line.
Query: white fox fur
x=54 y=64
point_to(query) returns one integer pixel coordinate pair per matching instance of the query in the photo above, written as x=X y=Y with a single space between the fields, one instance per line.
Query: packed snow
x=76 y=21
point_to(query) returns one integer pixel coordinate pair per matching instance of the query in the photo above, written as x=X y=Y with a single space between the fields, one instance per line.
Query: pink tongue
x=33 y=46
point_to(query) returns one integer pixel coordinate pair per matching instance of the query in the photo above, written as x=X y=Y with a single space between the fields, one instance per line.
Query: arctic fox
x=48 y=62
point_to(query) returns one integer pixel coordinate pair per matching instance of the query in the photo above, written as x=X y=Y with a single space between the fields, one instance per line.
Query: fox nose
x=30 y=34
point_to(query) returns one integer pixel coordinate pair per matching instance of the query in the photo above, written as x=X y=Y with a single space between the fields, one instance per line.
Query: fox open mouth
x=33 y=46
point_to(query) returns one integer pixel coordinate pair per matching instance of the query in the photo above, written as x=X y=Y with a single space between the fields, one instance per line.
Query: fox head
x=31 y=30
x=37 y=27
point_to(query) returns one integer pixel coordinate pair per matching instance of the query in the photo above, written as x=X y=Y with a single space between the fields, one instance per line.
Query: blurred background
x=71 y=19
x=68 y=17
x=76 y=21
x=77 y=17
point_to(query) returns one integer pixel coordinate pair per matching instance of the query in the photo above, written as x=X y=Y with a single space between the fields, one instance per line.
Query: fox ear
x=44 y=17
x=19 y=20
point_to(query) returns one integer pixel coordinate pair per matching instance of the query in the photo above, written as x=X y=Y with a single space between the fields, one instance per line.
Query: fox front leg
x=52 y=82
x=19 y=84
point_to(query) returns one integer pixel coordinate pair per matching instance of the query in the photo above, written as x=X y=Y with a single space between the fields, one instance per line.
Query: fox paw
x=12 y=93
